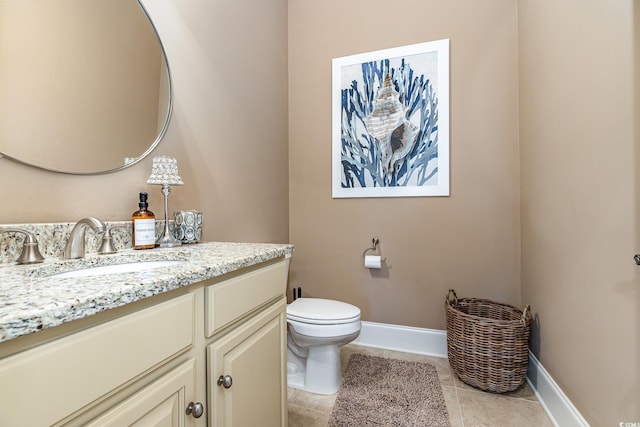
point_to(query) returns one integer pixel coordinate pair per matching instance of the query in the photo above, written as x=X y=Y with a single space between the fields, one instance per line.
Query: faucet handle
x=107 y=247
x=30 y=252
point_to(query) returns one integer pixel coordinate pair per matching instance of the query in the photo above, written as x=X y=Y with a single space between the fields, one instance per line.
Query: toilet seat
x=318 y=311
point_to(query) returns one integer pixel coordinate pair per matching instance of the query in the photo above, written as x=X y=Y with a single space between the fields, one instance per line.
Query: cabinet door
x=253 y=356
x=161 y=404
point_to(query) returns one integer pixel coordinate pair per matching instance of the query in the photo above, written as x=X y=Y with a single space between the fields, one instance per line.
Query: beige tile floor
x=467 y=406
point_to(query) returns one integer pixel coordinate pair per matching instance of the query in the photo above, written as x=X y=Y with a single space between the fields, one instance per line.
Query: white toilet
x=316 y=329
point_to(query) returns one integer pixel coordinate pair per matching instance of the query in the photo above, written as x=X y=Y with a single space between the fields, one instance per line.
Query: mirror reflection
x=84 y=85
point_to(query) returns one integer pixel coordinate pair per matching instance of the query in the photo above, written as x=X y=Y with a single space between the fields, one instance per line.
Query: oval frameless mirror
x=85 y=86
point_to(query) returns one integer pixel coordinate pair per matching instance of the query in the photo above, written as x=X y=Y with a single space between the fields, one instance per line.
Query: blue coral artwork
x=390 y=122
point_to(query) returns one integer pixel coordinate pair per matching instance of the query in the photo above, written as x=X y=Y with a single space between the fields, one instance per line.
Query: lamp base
x=166 y=239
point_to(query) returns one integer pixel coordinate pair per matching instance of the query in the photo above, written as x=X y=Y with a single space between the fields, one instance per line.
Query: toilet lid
x=318 y=310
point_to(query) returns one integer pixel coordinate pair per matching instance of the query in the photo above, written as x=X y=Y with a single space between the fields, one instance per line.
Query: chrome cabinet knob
x=195 y=409
x=636 y=258
x=226 y=381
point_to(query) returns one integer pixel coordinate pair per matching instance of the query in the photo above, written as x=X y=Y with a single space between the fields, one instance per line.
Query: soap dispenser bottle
x=143 y=226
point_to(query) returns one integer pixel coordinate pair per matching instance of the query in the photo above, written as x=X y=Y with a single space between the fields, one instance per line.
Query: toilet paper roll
x=372 y=261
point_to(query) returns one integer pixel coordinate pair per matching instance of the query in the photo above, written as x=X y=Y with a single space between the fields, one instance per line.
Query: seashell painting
x=388 y=112
x=389 y=125
x=390 y=130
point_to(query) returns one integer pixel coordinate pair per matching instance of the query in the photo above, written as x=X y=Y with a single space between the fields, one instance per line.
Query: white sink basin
x=129 y=267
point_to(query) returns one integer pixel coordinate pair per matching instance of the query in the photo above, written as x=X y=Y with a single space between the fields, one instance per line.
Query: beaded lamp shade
x=165 y=171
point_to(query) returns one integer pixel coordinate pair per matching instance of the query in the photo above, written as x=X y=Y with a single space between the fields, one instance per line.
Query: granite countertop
x=30 y=300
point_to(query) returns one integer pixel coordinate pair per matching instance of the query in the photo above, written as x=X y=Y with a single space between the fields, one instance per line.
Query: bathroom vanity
x=199 y=340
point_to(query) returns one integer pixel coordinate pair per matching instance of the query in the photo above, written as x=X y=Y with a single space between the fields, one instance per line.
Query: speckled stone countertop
x=31 y=300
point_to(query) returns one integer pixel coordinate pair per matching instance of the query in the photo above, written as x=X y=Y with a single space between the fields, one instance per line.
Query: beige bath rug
x=377 y=391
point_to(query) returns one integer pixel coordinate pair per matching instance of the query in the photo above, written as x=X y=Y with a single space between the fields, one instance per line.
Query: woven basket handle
x=526 y=314
x=451 y=298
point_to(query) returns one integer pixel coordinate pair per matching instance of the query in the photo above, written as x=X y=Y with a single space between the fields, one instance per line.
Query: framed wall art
x=390 y=122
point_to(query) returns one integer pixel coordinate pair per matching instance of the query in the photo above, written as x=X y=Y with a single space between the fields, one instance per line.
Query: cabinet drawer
x=231 y=299
x=91 y=363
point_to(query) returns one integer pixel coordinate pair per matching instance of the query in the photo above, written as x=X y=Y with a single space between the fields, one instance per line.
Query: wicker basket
x=487 y=342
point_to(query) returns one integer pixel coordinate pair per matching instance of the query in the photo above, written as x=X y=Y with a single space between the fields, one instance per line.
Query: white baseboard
x=433 y=342
x=430 y=342
x=553 y=400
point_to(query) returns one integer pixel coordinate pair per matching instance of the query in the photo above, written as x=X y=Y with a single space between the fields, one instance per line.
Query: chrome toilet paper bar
x=374 y=248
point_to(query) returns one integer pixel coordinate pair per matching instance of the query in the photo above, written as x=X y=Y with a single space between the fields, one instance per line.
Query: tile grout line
x=455 y=389
x=457 y=398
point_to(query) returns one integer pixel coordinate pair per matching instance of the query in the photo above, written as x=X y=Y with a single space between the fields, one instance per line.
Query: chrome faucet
x=75 y=244
x=30 y=252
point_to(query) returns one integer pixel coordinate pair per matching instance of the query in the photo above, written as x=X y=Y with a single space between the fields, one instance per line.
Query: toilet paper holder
x=374 y=248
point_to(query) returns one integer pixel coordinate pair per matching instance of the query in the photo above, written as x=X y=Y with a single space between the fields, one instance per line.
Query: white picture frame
x=390 y=122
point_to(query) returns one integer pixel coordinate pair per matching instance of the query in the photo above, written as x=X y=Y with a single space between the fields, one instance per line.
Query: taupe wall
x=228 y=131
x=559 y=77
x=468 y=241
x=580 y=203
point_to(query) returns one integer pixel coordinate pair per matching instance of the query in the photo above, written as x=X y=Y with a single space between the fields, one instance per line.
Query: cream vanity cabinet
x=212 y=353
x=247 y=383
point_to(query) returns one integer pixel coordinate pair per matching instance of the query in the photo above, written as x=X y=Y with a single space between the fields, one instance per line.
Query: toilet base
x=320 y=374
x=295 y=378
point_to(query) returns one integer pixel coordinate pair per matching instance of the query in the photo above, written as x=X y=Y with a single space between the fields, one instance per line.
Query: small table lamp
x=165 y=172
